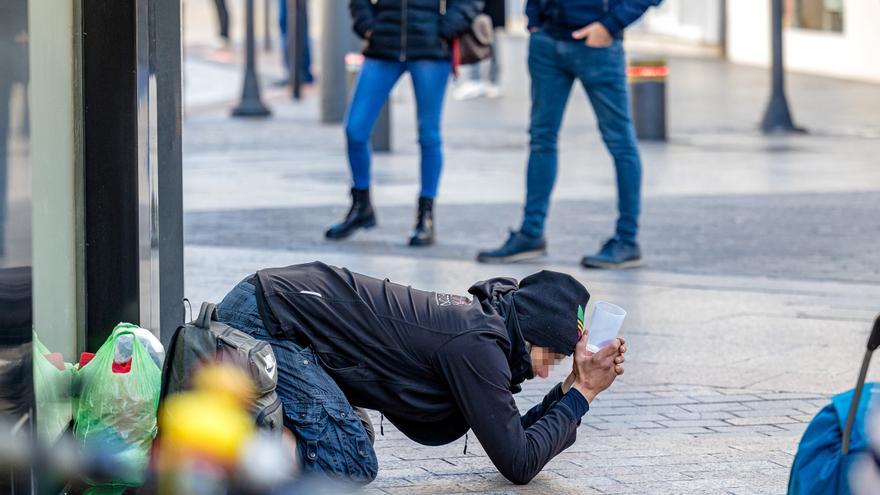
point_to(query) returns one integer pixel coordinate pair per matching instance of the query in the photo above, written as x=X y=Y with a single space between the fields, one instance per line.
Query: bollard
x=250 y=105
x=647 y=81
x=777 y=116
x=380 y=138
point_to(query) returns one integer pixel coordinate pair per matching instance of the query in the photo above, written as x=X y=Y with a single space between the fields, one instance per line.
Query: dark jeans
x=330 y=437
x=554 y=65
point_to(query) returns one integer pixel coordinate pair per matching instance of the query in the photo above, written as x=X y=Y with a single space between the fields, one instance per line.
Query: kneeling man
x=436 y=365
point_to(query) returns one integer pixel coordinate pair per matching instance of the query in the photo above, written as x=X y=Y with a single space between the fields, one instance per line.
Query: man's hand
x=595 y=34
x=594 y=372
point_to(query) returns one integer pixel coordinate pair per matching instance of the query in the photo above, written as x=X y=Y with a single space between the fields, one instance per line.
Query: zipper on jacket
x=403 y=13
x=605 y=5
x=442 y=7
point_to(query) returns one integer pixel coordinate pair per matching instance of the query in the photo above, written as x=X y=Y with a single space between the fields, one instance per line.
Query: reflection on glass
x=16 y=319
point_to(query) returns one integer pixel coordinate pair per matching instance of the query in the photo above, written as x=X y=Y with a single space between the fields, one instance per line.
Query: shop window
x=818 y=15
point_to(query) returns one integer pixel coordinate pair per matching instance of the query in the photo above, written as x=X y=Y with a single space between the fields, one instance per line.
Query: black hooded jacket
x=412 y=29
x=434 y=364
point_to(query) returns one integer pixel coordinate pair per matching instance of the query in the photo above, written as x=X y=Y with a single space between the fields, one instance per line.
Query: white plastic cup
x=604 y=325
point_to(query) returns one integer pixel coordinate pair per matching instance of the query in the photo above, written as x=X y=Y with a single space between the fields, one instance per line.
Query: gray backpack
x=208 y=340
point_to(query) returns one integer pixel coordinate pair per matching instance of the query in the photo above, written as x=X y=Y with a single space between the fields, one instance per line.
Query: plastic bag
x=51 y=393
x=117 y=411
x=150 y=342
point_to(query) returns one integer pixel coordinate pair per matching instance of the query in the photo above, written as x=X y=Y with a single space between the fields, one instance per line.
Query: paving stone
x=694 y=423
x=761 y=420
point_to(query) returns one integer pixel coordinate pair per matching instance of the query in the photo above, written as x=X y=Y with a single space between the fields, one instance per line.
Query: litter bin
x=381 y=136
x=647 y=79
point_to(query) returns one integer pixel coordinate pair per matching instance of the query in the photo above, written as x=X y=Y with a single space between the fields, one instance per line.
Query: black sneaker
x=518 y=247
x=615 y=253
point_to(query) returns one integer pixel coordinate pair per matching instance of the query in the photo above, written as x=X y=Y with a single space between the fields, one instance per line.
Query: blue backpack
x=836 y=436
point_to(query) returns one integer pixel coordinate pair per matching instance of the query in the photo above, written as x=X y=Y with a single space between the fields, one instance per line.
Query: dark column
x=132 y=166
x=250 y=105
x=777 y=117
x=110 y=166
x=337 y=40
x=166 y=50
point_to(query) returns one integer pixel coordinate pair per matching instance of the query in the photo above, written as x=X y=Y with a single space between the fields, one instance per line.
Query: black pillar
x=110 y=166
x=777 y=117
x=132 y=170
x=250 y=105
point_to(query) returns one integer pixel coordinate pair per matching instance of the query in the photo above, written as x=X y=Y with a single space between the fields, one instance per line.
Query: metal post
x=267 y=37
x=338 y=39
x=296 y=21
x=250 y=105
x=777 y=117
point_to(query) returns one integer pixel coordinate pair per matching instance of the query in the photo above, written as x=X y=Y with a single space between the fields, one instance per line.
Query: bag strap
x=207 y=314
x=873 y=343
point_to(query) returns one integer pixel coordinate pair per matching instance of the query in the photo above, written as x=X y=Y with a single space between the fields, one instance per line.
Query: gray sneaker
x=518 y=247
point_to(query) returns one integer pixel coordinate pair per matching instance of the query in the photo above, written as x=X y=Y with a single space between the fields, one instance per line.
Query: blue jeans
x=554 y=65
x=330 y=437
x=373 y=86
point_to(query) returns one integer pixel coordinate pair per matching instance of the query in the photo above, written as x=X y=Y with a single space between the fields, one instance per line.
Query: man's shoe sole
x=611 y=266
x=513 y=258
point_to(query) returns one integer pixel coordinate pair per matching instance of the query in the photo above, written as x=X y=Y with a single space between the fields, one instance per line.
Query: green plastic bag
x=117 y=411
x=51 y=393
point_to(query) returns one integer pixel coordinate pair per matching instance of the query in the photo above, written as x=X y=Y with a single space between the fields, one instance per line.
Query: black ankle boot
x=360 y=216
x=423 y=233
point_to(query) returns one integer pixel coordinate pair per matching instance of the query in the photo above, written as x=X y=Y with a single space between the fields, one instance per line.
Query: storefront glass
x=819 y=15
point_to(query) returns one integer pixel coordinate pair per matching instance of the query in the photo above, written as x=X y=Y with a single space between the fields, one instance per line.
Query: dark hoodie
x=434 y=364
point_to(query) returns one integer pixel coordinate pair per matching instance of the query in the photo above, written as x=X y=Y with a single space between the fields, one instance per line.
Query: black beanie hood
x=550 y=309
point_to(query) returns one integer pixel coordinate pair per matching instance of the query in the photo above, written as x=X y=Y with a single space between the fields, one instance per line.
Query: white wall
x=851 y=54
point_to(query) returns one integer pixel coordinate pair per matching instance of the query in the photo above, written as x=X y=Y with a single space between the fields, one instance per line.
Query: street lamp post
x=777 y=117
x=250 y=105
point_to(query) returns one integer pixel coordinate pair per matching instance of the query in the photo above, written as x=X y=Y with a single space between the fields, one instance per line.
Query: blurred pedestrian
x=306 y=67
x=475 y=86
x=579 y=40
x=413 y=36
x=223 y=21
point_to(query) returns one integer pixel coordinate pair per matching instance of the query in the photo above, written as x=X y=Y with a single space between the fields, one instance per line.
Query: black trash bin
x=647 y=79
x=381 y=136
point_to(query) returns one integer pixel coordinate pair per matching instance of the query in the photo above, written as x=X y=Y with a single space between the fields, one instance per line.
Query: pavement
x=753 y=307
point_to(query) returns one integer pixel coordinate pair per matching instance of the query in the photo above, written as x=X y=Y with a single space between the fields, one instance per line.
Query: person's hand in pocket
x=594 y=34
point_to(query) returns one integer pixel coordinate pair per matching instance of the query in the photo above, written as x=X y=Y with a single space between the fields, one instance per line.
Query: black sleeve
x=458 y=17
x=537 y=412
x=361 y=16
x=478 y=375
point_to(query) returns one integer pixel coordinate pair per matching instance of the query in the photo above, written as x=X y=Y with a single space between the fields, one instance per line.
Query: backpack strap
x=207 y=314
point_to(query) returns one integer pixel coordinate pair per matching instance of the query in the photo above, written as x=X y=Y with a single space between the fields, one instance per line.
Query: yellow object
x=204 y=423
x=227 y=380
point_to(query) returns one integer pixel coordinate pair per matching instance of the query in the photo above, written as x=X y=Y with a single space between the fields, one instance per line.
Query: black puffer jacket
x=412 y=29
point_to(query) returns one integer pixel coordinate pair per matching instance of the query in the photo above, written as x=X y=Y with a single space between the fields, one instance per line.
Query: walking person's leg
x=551 y=85
x=307 y=76
x=604 y=79
x=373 y=86
x=223 y=19
x=429 y=78
x=330 y=437
x=493 y=90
